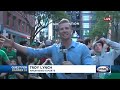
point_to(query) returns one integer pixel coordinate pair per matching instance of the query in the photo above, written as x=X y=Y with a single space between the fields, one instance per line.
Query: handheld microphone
x=64 y=52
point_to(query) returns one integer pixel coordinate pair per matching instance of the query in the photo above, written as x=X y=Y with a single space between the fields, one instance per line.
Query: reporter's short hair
x=64 y=20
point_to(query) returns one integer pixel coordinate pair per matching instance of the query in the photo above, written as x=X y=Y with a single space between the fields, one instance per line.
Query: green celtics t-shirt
x=4 y=49
x=3 y=57
x=11 y=55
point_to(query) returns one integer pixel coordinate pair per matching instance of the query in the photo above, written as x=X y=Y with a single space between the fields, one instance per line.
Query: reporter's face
x=98 y=47
x=65 y=31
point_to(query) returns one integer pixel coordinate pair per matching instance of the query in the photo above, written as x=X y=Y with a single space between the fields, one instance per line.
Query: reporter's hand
x=66 y=63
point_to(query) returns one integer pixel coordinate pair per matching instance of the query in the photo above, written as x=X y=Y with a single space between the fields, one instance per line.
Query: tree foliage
x=102 y=26
x=42 y=19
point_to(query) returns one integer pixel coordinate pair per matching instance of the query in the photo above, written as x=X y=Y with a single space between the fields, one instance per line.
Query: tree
x=102 y=26
x=115 y=25
x=42 y=19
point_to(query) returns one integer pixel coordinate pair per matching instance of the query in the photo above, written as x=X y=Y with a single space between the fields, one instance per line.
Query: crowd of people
x=100 y=51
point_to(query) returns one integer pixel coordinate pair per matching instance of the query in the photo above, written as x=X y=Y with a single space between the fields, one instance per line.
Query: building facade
x=13 y=25
x=81 y=23
x=86 y=22
x=76 y=24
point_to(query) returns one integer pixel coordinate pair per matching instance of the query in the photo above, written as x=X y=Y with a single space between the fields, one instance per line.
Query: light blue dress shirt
x=77 y=53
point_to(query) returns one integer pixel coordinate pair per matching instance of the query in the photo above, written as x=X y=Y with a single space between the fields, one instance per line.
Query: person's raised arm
x=8 y=42
x=114 y=45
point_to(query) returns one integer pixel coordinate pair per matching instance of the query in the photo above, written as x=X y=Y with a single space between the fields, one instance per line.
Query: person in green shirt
x=11 y=53
x=4 y=49
x=12 y=75
x=3 y=59
x=3 y=56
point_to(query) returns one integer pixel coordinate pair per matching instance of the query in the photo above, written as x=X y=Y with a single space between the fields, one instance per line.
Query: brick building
x=13 y=24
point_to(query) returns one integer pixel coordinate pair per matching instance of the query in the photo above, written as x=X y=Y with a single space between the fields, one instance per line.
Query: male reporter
x=77 y=53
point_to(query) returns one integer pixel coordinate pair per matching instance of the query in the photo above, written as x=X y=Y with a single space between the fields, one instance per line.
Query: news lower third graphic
x=49 y=69
x=60 y=69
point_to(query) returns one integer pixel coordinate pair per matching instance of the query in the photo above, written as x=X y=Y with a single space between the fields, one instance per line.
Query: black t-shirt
x=23 y=57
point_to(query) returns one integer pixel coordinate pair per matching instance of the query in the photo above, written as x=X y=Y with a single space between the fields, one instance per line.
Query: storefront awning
x=17 y=33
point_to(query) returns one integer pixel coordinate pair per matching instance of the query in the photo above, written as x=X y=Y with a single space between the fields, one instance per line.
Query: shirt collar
x=71 y=46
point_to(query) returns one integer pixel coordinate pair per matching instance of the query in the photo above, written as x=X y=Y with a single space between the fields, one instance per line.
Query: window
x=27 y=29
x=86 y=25
x=77 y=11
x=77 y=16
x=86 y=11
x=14 y=22
x=86 y=32
x=86 y=18
x=73 y=18
x=55 y=26
x=8 y=18
x=9 y=36
x=23 y=25
x=77 y=26
x=19 y=22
